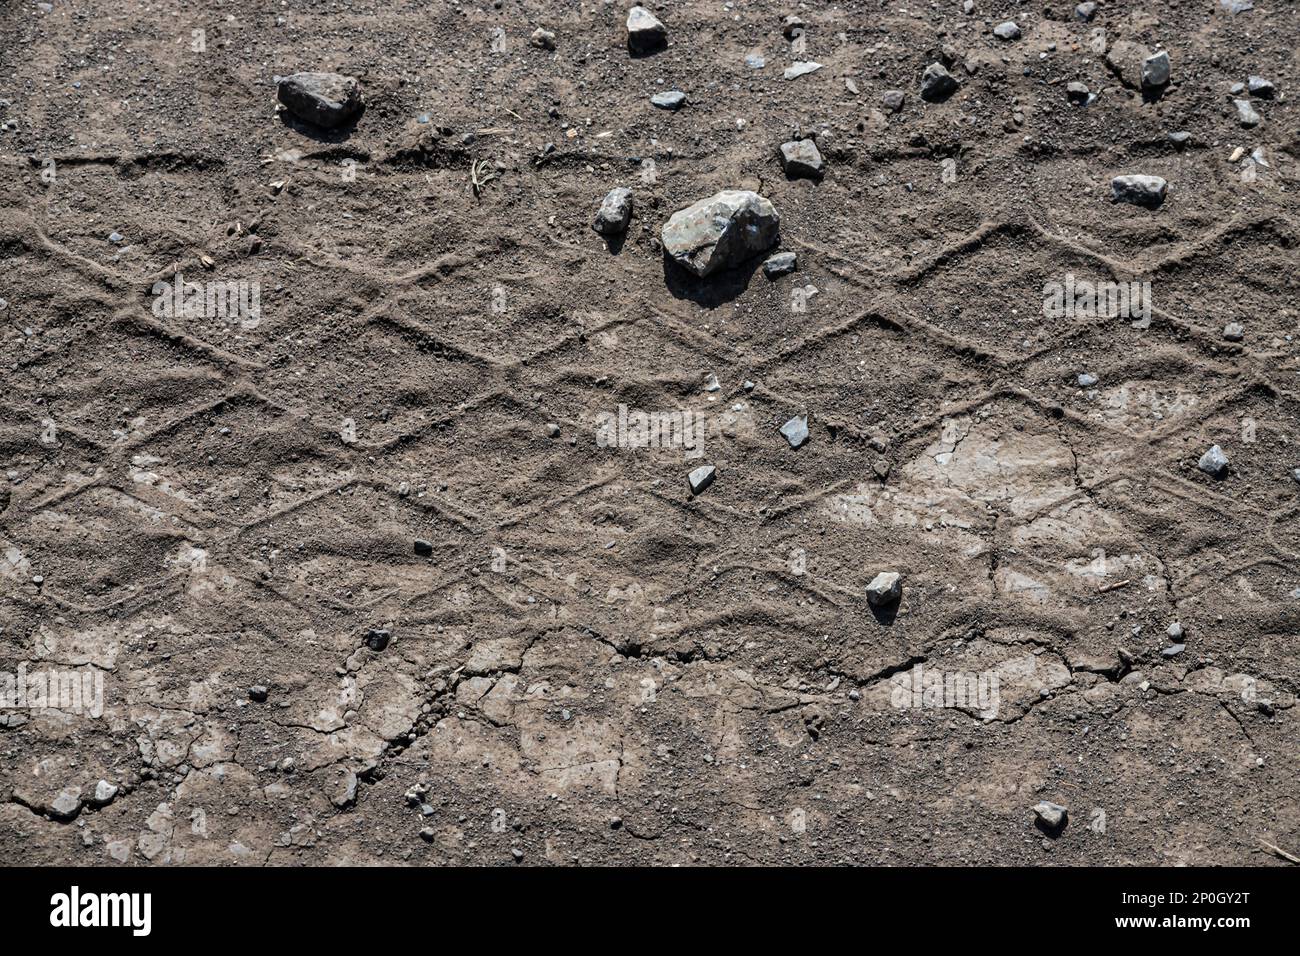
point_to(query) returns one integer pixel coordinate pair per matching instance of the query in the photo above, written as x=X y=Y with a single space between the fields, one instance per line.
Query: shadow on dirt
x=647 y=52
x=1052 y=832
x=340 y=134
x=713 y=290
x=884 y=614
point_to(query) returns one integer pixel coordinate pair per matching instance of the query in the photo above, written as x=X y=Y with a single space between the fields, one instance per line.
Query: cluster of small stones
x=331 y=100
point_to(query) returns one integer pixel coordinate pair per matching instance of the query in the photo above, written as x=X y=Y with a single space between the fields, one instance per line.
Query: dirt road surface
x=364 y=568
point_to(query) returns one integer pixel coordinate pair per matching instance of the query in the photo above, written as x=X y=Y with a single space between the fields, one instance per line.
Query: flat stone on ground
x=1148 y=191
x=669 y=100
x=801 y=69
x=796 y=430
x=1258 y=86
x=802 y=160
x=783 y=263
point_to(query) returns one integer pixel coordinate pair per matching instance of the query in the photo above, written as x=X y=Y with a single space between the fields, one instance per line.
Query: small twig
x=1114 y=587
x=1279 y=851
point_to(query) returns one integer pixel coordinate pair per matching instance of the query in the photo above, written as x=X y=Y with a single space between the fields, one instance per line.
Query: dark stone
x=324 y=99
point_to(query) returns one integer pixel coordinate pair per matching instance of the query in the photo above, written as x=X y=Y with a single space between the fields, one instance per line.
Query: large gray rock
x=1007 y=31
x=614 y=213
x=1148 y=191
x=645 y=33
x=324 y=99
x=721 y=231
x=345 y=790
x=67 y=804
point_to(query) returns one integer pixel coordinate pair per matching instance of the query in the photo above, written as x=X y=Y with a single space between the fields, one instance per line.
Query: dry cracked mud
x=585 y=663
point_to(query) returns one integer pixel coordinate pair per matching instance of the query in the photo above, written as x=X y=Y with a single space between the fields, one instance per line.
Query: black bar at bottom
x=341 y=905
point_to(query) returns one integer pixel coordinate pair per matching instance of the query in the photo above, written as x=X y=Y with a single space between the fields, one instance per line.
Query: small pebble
x=701 y=478
x=885 y=588
x=1214 y=462
x=1052 y=815
x=795 y=431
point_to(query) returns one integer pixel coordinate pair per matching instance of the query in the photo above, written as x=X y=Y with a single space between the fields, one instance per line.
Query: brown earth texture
x=210 y=516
